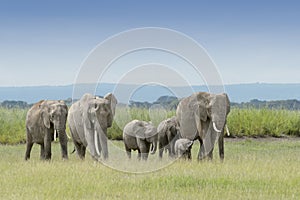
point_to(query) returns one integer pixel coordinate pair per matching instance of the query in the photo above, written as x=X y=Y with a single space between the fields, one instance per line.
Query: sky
x=46 y=42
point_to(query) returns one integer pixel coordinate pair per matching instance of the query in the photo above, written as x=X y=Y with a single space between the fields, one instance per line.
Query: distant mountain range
x=150 y=93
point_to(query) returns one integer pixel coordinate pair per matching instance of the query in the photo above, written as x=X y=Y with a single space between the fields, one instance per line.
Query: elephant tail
x=73 y=151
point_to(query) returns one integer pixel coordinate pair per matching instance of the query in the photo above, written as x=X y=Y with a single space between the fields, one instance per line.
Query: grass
x=264 y=122
x=253 y=169
x=12 y=126
x=241 y=122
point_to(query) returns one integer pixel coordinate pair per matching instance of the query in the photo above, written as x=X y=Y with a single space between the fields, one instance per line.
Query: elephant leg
x=172 y=150
x=47 y=145
x=80 y=149
x=63 y=144
x=221 y=146
x=145 y=156
x=201 y=150
x=29 y=144
x=139 y=154
x=128 y=152
x=83 y=150
x=145 y=151
x=142 y=147
x=28 y=149
x=161 y=149
x=167 y=147
x=42 y=153
x=210 y=154
x=189 y=155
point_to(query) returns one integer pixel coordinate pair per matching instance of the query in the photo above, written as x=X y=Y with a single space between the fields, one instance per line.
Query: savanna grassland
x=252 y=169
x=264 y=168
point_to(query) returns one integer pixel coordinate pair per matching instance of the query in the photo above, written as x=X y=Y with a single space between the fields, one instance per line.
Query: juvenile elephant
x=183 y=148
x=203 y=116
x=167 y=135
x=88 y=120
x=43 y=121
x=140 y=135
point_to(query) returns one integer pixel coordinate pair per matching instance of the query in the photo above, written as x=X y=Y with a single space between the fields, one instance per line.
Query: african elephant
x=43 y=121
x=140 y=135
x=88 y=120
x=183 y=148
x=203 y=116
x=167 y=135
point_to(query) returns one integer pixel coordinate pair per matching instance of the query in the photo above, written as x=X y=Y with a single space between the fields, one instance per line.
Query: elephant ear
x=112 y=107
x=189 y=144
x=138 y=129
x=45 y=114
x=227 y=103
x=63 y=104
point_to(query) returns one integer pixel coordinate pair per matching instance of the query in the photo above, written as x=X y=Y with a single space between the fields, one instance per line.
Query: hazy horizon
x=71 y=84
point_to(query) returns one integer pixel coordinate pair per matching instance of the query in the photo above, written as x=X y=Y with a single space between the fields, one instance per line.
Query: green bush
x=261 y=122
x=12 y=125
x=241 y=122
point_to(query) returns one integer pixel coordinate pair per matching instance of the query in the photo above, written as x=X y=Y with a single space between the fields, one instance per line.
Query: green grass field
x=252 y=169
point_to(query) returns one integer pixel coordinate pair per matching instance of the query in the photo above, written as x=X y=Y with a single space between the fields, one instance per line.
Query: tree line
x=171 y=102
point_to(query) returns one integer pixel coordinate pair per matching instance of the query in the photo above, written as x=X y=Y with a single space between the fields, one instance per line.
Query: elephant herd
x=201 y=116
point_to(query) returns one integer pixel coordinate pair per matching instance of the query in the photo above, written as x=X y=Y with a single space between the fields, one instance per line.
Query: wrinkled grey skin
x=42 y=120
x=183 y=148
x=203 y=116
x=140 y=135
x=88 y=120
x=168 y=133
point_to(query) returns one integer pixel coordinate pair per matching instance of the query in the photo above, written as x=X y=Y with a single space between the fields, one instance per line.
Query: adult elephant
x=167 y=135
x=140 y=135
x=88 y=120
x=203 y=116
x=43 y=121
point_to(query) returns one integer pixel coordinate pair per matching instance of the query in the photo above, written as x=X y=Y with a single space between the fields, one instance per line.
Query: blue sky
x=44 y=43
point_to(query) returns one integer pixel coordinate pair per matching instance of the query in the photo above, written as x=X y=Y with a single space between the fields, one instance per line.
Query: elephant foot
x=97 y=159
x=65 y=158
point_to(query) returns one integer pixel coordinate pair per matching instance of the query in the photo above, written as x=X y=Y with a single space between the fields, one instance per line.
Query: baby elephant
x=183 y=148
x=140 y=135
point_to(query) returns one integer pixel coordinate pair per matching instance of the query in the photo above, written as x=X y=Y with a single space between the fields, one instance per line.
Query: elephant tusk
x=227 y=130
x=55 y=135
x=215 y=128
x=68 y=136
x=96 y=143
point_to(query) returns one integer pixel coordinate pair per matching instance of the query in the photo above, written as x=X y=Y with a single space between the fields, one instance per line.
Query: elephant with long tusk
x=88 y=120
x=203 y=116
